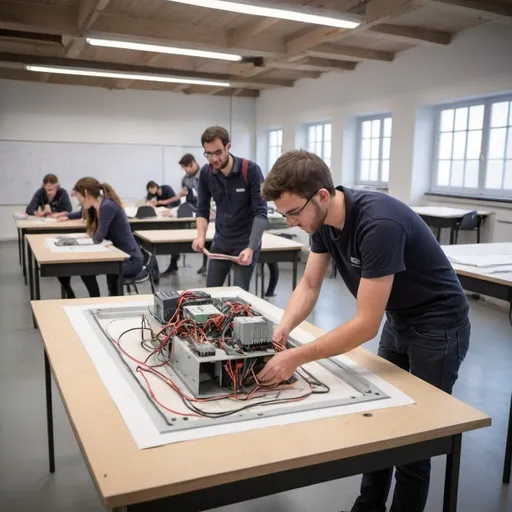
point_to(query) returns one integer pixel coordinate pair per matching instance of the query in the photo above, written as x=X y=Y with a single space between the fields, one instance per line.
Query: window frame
x=278 y=146
x=479 y=191
x=359 y=147
x=323 y=124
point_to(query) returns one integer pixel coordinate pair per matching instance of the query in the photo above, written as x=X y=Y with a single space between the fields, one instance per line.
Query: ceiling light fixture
x=126 y=76
x=188 y=52
x=302 y=14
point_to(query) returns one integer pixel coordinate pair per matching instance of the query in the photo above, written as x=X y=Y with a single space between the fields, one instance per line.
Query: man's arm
x=203 y=204
x=305 y=295
x=259 y=207
x=35 y=203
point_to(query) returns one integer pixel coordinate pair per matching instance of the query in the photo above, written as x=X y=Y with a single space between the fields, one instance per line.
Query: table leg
x=294 y=271
x=19 y=244
x=23 y=241
x=120 y=286
x=508 y=449
x=49 y=411
x=36 y=277
x=262 y=277
x=31 y=281
x=452 y=236
x=451 y=482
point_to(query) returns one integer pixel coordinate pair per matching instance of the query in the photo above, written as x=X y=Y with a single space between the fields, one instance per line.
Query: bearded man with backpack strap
x=241 y=213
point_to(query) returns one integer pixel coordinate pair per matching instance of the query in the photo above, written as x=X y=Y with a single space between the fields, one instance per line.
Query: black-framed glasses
x=294 y=215
x=217 y=153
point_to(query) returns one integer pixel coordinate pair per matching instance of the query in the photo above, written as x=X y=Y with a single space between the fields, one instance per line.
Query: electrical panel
x=164 y=305
x=200 y=314
x=252 y=331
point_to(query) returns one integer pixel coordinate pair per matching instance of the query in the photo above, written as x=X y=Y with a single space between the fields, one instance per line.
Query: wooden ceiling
x=276 y=53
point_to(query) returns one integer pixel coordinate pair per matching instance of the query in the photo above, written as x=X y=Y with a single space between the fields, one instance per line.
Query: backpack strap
x=245 y=168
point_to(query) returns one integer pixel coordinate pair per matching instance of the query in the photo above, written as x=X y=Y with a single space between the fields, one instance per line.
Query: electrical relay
x=200 y=314
x=252 y=331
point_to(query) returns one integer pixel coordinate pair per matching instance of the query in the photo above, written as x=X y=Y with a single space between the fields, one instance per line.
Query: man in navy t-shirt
x=391 y=262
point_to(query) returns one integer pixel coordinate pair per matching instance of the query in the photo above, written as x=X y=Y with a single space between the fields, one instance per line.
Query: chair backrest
x=185 y=210
x=145 y=212
x=469 y=221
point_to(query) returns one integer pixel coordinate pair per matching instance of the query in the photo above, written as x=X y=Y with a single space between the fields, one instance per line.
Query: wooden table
x=439 y=217
x=213 y=472
x=274 y=249
x=39 y=226
x=42 y=262
x=497 y=285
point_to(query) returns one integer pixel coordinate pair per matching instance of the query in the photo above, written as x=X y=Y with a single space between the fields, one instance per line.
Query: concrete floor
x=25 y=485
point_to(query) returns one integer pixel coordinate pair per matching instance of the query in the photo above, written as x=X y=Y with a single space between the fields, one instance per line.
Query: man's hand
x=198 y=244
x=280 y=367
x=280 y=335
x=47 y=209
x=39 y=212
x=62 y=218
x=151 y=203
x=245 y=257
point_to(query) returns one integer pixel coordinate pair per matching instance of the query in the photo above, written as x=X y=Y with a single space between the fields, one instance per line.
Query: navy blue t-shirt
x=383 y=236
x=113 y=225
x=166 y=193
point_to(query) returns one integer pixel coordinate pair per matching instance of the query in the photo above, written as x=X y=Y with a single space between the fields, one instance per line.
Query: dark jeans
x=274 y=278
x=217 y=270
x=131 y=268
x=434 y=356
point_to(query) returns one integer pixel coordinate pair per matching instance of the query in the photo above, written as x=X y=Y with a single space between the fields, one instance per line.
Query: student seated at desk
x=50 y=199
x=163 y=195
x=106 y=220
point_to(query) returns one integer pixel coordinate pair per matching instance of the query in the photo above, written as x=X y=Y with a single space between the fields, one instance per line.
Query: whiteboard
x=127 y=167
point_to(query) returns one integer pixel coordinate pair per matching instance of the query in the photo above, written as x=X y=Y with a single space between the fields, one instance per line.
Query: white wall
x=59 y=113
x=478 y=62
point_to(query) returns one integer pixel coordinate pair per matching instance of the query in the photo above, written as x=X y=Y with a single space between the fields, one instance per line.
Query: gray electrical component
x=200 y=313
x=252 y=331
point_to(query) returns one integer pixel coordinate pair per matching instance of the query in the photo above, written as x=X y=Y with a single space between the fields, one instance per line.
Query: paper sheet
x=482 y=260
x=141 y=426
x=217 y=256
x=50 y=243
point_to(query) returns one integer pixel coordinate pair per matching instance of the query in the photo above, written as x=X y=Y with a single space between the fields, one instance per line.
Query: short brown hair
x=186 y=160
x=213 y=133
x=50 y=178
x=298 y=172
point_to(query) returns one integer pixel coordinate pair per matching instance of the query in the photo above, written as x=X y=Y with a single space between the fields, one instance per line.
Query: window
x=319 y=141
x=374 y=144
x=473 y=149
x=275 y=146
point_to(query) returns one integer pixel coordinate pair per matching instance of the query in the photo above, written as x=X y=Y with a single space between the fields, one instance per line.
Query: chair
x=145 y=212
x=146 y=274
x=469 y=222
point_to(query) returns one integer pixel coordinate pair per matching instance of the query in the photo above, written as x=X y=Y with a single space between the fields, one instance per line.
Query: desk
x=213 y=472
x=274 y=249
x=497 y=285
x=32 y=226
x=439 y=217
x=42 y=262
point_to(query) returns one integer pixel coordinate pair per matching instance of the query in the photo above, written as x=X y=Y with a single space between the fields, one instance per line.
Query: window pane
x=497 y=143
x=318 y=149
x=279 y=137
x=311 y=134
x=508 y=175
x=509 y=143
x=461 y=118
x=327 y=162
x=327 y=132
x=385 y=171
x=476 y=117
x=447 y=117
x=386 y=145
x=457 y=176
x=376 y=128
x=273 y=138
x=443 y=173
x=311 y=146
x=365 y=170
x=474 y=145
x=327 y=149
x=366 y=129
x=499 y=114
x=387 y=127
x=471 y=174
x=494 y=174
x=445 y=146
x=365 y=149
x=272 y=157
x=319 y=130
x=375 y=148
x=374 y=170
x=459 y=145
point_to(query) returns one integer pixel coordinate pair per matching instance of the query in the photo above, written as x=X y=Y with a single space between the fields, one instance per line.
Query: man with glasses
x=241 y=213
x=391 y=262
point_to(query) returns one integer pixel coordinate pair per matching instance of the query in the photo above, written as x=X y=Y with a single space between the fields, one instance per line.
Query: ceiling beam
x=411 y=34
x=342 y=52
x=492 y=10
x=130 y=68
x=313 y=64
x=241 y=35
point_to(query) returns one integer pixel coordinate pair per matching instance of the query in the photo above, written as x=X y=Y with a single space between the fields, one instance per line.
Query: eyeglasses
x=217 y=153
x=294 y=215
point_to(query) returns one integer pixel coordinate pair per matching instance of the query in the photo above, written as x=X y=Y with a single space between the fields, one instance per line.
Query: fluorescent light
x=302 y=14
x=126 y=76
x=189 y=52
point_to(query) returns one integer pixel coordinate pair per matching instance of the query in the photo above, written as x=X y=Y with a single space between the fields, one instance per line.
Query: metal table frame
x=451 y=223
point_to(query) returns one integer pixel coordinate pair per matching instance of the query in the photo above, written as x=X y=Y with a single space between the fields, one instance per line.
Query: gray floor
x=25 y=484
